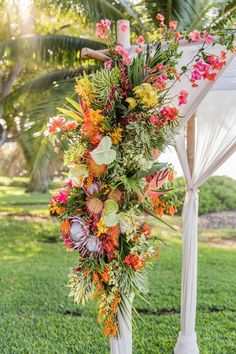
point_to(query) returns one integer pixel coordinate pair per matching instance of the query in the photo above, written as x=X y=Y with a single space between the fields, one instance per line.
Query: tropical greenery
x=216 y=194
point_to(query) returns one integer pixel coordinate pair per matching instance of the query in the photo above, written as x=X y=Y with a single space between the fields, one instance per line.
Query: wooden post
x=191 y=142
x=123 y=33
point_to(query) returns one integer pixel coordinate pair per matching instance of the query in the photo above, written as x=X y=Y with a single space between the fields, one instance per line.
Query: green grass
x=35 y=311
x=15 y=200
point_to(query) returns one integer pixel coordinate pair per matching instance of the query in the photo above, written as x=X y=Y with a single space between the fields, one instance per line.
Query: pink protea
x=116 y=195
x=87 y=244
x=94 y=205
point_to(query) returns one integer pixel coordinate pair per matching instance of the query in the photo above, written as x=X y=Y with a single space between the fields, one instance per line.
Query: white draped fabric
x=215 y=142
x=123 y=344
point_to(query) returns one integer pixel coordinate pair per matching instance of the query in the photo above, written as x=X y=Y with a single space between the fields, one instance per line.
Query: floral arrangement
x=123 y=119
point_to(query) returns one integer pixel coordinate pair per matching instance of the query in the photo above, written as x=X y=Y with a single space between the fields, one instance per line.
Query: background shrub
x=216 y=194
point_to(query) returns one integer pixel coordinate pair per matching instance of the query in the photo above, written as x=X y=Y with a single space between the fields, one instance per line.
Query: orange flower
x=95 y=116
x=172 y=210
x=105 y=274
x=96 y=170
x=134 y=261
x=170 y=175
x=65 y=226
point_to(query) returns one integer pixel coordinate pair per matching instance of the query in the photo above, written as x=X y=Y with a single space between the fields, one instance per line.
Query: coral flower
x=140 y=40
x=160 y=17
x=183 y=95
x=173 y=25
x=194 y=36
x=103 y=29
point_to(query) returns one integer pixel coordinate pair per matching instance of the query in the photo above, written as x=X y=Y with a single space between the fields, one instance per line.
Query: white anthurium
x=77 y=174
x=103 y=154
x=109 y=214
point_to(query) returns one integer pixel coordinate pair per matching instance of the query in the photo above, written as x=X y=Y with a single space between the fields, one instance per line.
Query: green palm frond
x=226 y=10
x=46 y=81
x=50 y=48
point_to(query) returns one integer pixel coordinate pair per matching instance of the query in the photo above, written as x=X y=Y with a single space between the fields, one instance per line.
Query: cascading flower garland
x=123 y=119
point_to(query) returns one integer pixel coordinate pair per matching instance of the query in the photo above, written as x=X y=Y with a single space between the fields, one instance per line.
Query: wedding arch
x=209 y=141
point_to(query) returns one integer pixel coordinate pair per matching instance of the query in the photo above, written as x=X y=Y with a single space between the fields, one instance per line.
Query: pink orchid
x=182 y=97
x=160 y=17
x=162 y=24
x=194 y=36
x=140 y=40
x=108 y=64
x=126 y=57
x=201 y=66
x=173 y=25
x=195 y=75
x=208 y=38
x=103 y=29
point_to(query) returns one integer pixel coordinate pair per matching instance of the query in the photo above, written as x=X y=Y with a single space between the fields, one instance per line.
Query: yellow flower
x=95 y=116
x=132 y=102
x=101 y=228
x=147 y=95
x=116 y=136
x=83 y=88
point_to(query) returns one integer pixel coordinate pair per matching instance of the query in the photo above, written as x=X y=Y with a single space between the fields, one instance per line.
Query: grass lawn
x=37 y=317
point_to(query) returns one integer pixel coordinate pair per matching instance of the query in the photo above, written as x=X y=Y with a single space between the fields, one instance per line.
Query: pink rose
x=194 y=36
x=173 y=25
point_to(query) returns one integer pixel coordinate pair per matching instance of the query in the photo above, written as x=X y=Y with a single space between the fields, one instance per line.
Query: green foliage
x=216 y=194
x=101 y=85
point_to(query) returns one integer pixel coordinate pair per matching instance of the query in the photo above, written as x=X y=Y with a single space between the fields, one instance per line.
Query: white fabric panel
x=215 y=142
x=228 y=80
x=123 y=344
